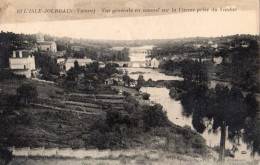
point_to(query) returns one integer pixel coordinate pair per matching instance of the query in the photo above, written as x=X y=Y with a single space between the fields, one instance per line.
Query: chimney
x=20 y=54
x=14 y=54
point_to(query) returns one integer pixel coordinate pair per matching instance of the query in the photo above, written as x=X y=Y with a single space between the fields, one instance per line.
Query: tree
x=27 y=93
x=240 y=64
x=146 y=96
x=252 y=129
x=194 y=71
x=228 y=111
x=5 y=155
x=92 y=67
x=154 y=116
x=126 y=79
x=223 y=107
x=76 y=66
x=140 y=82
x=72 y=73
x=47 y=64
x=8 y=75
x=110 y=69
x=245 y=65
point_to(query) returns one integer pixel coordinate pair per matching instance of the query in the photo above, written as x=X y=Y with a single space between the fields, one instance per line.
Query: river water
x=174 y=108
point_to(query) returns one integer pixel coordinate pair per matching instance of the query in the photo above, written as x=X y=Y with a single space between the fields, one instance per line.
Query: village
x=69 y=97
x=60 y=97
x=22 y=62
x=128 y=82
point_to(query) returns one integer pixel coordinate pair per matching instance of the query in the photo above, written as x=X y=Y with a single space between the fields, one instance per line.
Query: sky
x=147 y=27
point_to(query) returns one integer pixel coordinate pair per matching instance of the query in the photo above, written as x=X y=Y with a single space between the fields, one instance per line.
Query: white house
x=22 y=62
x=197 y=45
x=155 y=63
x=47 y=46
x=214 y=46
x=81 y=61
x=217 y=60
x=210 y=42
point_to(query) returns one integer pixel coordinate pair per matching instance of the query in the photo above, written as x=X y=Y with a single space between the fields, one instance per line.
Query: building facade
x=22 y=62
x=81 y=61
x=47 y=46
x=155 y=63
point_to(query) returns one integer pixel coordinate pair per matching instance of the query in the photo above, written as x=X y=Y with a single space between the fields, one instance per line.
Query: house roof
x=25 y=53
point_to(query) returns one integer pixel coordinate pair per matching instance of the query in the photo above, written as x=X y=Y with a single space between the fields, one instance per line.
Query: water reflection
x=174 y=108
x=171 y=106
x=174 y=113
x=149 y=73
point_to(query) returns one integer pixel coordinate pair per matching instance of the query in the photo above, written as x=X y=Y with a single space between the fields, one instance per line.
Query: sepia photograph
x=129 y=82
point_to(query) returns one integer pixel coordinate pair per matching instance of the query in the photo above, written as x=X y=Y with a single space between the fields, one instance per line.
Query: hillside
x=72 y=120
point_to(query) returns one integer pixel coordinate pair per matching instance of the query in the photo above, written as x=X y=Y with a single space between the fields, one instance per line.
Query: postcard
x=129 y=82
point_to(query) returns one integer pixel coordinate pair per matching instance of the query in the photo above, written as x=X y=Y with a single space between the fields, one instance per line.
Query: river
x=174 y=107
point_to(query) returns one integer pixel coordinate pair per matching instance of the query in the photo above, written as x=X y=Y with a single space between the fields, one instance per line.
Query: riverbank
x=161 y=83
x=158 y=86
x=170 y=73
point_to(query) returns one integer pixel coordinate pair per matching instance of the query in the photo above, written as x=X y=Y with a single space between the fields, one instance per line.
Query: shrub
x=98 y=139
x=8 y=75
x=116 y=117
x=27 y=92
x=154 y=116
x=146 y=96
x=24 y=119
x=5 y=156
x=126 y=93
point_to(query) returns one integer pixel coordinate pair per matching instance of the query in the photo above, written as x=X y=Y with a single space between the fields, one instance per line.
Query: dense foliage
x=222 y=107
x=120 y=125
x=47 y=64
x=88 y=78
x=243 y=66
x=6 y=74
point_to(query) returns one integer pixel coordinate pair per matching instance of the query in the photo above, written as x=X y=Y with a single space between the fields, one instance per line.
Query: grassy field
x=45 y=90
